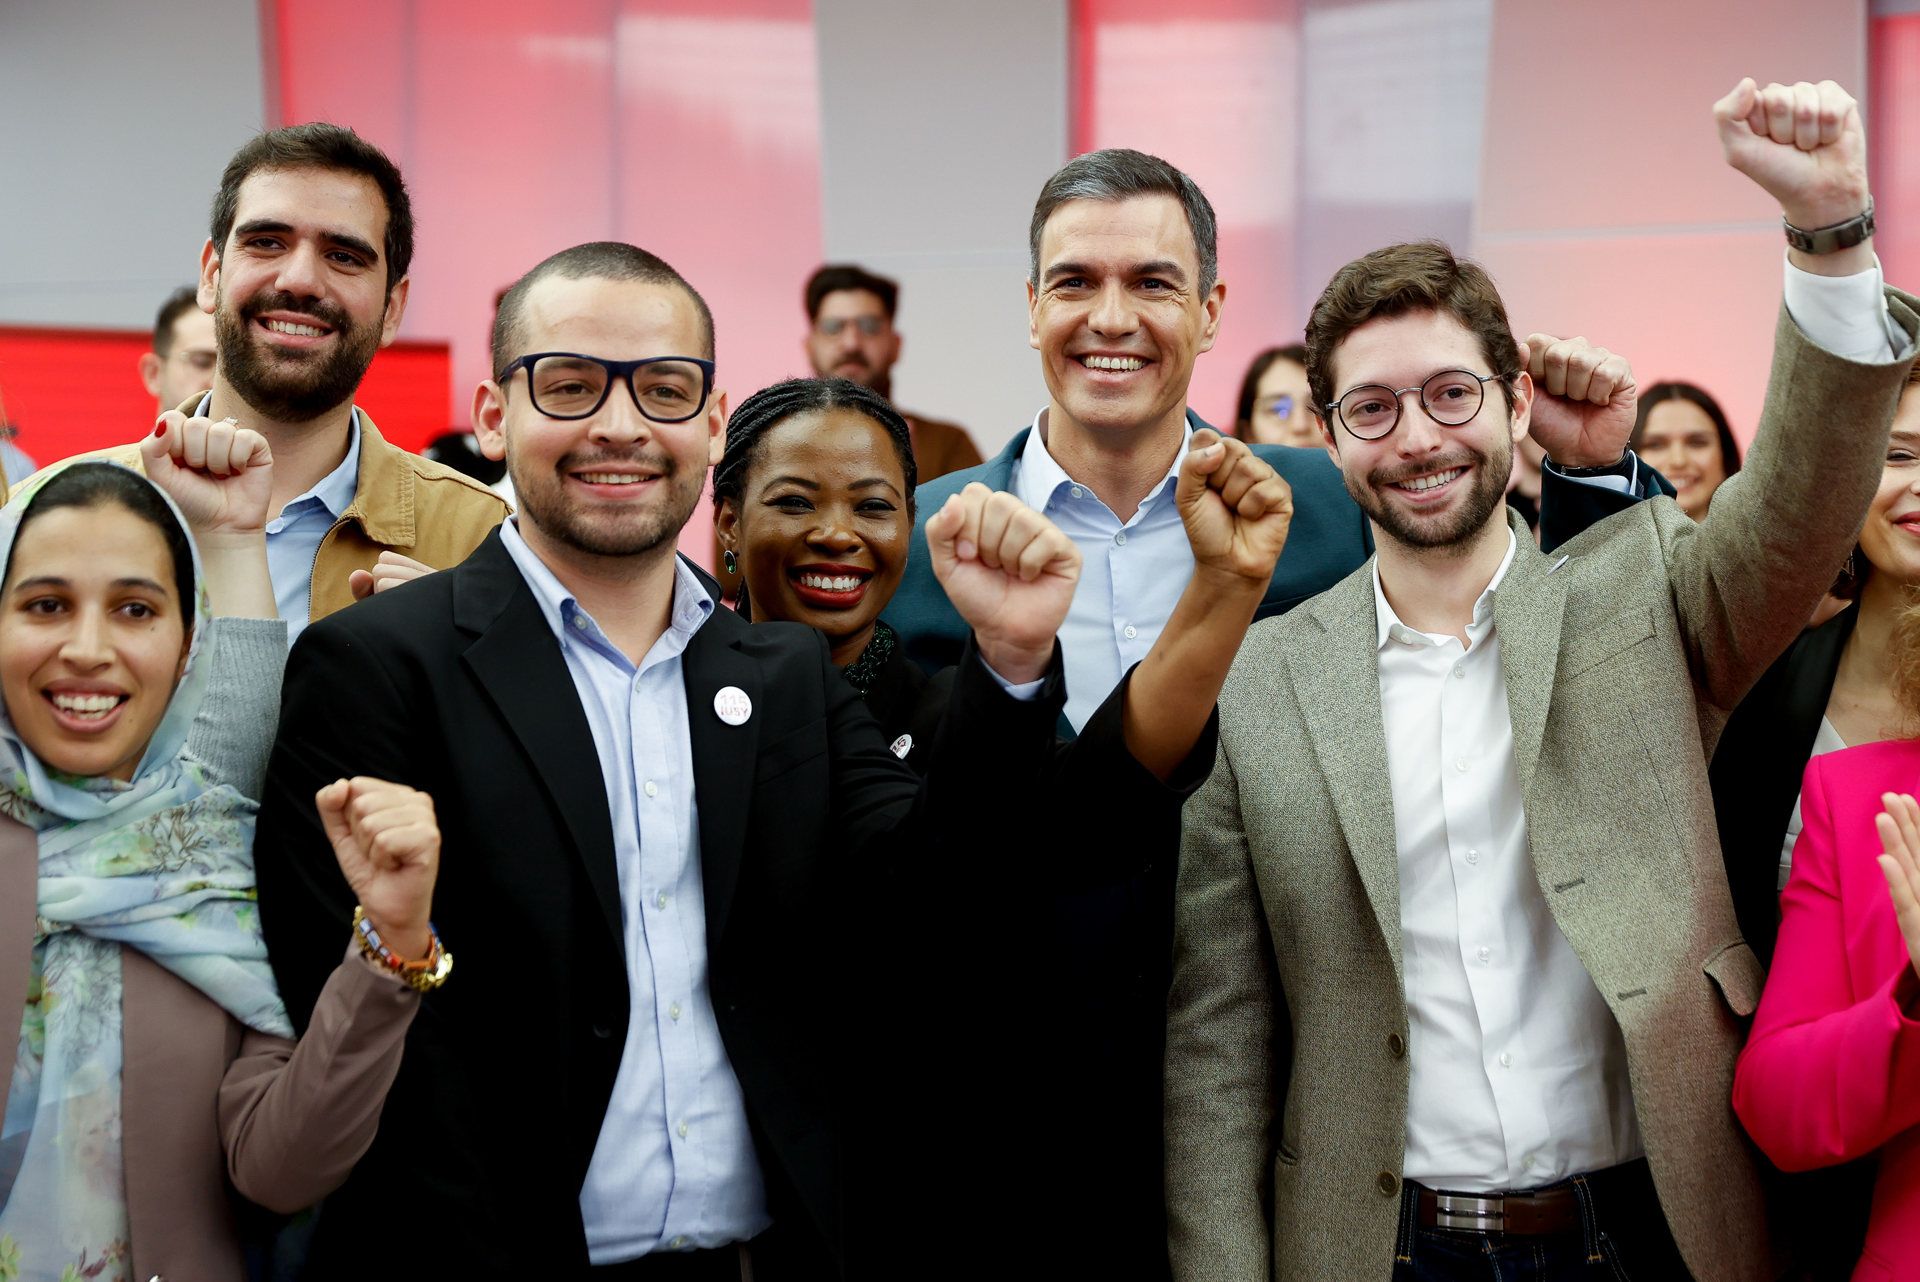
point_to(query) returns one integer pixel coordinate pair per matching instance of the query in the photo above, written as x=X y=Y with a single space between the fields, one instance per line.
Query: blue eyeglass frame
x=617 y=372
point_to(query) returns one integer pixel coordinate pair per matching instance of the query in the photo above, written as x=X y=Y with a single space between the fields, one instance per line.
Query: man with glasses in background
x=659 y=825
x=180 y=365
x=1458 y=986
x=850 y=314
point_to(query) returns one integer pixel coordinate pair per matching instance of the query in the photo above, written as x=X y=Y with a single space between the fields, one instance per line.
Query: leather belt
x=1550 y=1211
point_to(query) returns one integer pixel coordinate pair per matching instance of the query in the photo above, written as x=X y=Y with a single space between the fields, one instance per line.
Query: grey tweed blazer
x=1286 y=1069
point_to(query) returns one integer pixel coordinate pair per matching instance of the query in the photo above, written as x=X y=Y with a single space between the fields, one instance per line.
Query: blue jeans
x=1622 y=1237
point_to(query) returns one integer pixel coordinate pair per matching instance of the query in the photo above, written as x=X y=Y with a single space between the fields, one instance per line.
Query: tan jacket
x=1287 y=1075
x=401 y=503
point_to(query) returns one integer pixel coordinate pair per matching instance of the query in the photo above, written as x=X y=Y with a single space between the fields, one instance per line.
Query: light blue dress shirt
x=1132 y=574
x=674 y=1167
x=294 y=537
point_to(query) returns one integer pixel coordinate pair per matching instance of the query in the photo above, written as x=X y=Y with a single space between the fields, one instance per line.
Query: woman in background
x=1682 y=431
x=1275 y=407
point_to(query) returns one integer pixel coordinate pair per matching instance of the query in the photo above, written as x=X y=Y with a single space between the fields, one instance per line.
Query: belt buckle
x=1478 y=1214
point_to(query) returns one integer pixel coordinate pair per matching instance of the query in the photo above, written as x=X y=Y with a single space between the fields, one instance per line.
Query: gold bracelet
x=422 y=976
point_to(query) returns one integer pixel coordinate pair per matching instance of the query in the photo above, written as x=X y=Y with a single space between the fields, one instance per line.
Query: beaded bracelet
x=422 y=976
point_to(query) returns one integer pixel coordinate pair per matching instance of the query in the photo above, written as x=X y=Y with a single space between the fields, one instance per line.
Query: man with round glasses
x=1458 y=986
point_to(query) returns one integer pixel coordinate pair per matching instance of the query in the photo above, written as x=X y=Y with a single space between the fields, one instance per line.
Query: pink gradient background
x=691 y=129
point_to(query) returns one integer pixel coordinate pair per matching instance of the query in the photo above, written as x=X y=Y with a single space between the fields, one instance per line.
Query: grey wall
x=938 y=126
x=118 y=119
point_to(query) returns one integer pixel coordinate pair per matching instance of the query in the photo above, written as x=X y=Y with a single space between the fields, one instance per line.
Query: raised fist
x=387 y=842
x=1010 y=573
x=219 y=473
x=1803 y=144
x=1236 y=508
x=1584 y=399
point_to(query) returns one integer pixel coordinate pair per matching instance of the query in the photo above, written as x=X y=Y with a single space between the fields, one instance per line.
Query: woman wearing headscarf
x=153 y=1072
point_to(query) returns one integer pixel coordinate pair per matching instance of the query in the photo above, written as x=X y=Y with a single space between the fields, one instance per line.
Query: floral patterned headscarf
x=162 y=863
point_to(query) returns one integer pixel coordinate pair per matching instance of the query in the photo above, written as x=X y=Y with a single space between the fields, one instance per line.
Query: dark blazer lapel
x=1336 y=677
x=1527 y=608
x=518 y=664
x=19 y=904
x=724 y=756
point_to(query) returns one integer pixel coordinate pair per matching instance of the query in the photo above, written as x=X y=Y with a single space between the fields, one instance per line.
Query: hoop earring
x=733 y=566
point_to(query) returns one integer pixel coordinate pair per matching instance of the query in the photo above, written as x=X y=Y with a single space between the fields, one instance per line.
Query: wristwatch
x=1827 y=240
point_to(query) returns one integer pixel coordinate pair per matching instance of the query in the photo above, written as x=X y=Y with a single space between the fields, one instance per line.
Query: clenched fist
x=387 y=841
x=1584 y=400
x=1010 y=573
x=219 y=473
x=1803 y=144
x=1236 y=508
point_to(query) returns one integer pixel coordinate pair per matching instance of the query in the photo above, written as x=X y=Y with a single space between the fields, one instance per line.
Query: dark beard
x=292 y=387
x=546 y=506
x=1488 y=492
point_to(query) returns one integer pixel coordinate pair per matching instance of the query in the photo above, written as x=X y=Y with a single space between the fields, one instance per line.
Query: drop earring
x=733 y=566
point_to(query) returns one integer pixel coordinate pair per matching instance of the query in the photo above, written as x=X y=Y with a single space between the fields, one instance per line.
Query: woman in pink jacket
x=1832 y=1070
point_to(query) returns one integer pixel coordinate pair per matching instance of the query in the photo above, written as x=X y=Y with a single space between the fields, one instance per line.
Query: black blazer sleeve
x=1569 y=508
x=342 y=714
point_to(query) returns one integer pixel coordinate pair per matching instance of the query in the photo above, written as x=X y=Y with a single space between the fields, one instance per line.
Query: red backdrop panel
x=689 y=127
x=1893 y=138
x=72 y=390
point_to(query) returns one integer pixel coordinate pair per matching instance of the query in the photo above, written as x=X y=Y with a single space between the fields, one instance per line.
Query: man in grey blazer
x=1458 y=982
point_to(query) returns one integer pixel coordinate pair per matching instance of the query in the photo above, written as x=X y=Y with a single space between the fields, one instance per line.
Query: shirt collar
x=691 y=608
x=336 y=489
x=1389 y=625
x=1039 y=478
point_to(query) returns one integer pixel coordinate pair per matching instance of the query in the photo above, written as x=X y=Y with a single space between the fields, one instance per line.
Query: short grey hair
x=1116 y=174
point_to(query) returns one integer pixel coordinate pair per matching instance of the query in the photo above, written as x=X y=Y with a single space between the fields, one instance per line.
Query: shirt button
x=1459 y=670
x=1120 y=539
x=1473 y=856
x=660 y=900
x=682 y=1128
x=1485 y=955
x=1077 y=492
x=678 y=1242
x=1129 y=632
x=1396 y=1045
x=580 y=621
x=1506 y=1060
x=673 y=1011
x=1461 y=765
x=1388 y=1183
x=651 y=789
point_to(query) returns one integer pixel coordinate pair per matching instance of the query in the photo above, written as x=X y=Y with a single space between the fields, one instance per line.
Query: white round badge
x=732 y=706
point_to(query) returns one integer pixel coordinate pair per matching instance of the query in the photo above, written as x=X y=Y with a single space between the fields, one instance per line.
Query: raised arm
x=220 y=476
x=1746 y=580
x=1237 y=511
x=296 y=1117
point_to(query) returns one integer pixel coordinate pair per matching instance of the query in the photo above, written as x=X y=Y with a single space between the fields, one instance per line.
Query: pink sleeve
x=1829 y=1074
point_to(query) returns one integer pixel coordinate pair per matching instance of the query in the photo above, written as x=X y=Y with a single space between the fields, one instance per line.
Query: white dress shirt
x=1519 y=1073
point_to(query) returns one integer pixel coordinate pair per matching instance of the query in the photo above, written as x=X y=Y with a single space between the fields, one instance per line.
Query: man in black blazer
x=661 y=829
